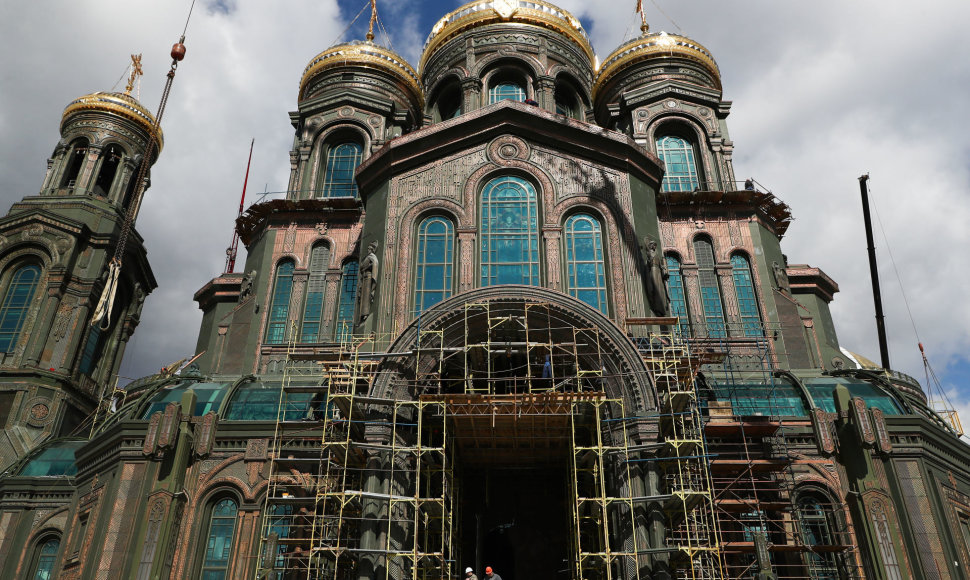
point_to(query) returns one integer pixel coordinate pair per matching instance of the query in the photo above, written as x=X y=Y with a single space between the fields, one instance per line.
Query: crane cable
x=102 y=313
x=931 y=378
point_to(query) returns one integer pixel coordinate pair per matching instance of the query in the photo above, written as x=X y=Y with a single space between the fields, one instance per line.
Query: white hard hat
x=467 y=570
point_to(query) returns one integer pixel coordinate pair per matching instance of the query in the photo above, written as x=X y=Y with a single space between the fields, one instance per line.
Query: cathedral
x=515 y=310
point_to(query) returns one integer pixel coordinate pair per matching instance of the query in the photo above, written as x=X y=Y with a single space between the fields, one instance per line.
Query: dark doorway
x=516 y=520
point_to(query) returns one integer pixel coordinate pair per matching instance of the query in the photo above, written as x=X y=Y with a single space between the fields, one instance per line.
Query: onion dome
x=121 y=104
x=656 y=47
x=362 y=54
x=483 y=12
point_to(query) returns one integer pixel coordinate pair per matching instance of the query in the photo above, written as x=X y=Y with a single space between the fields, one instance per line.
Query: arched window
x=342 y=161
x=75 y=158
x=504 y=87
x=279 y=310
x=45 y=557
x=449 y=102
x=218 y=547
x=710 y=288
x=16 y=301
x=677 y=154
x=110 y=160
x=747 y=300
x=345 y=306
x=434 y=262
x=678 y=297
x=315 y=289
x=585 y=262
x=92 y=349
x=818 y=531
x=566 y=99
x=509 y=233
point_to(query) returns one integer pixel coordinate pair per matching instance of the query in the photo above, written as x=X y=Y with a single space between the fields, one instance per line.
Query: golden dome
x=482 y=12
x=366 y=54
x=120 y=104
x=655 y=45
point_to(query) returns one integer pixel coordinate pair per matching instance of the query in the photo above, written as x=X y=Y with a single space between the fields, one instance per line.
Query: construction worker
x=491 y=576
x=469 y=574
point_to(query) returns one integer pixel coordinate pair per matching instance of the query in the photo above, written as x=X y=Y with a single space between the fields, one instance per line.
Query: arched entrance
x=510 y=391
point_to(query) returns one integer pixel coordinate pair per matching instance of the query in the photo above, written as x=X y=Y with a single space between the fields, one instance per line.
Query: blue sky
x=822 y=92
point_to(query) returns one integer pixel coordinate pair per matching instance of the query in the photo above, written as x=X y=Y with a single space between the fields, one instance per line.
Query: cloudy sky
x=823 y=92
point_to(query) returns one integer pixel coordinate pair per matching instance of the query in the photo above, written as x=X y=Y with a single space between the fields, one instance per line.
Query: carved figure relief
x=367 y=287
x=655 y=274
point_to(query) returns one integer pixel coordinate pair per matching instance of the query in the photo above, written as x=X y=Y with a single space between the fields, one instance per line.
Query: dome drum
x=121 y=106
x=371 y=60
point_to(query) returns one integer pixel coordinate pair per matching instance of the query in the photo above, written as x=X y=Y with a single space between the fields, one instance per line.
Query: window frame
x=37 y=555
x=7 y=282
x=273 y=336
x=205 y=537
x=694 y=177
x=711 y=296
x=316 y=273
x=751 y=323
x=327 y=183
x=531 y=234
x=683 y=315
x=346 y=303
x=419 y=272
x=570 y=262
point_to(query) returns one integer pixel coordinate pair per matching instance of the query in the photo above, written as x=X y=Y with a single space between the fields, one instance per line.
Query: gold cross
x=135 y=72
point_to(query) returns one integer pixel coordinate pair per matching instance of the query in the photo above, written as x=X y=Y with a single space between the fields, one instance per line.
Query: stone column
x=545 y=92
x=86 y=175
x=331 y=297
x=471 y=93
x=552 y=235
x=466 y=261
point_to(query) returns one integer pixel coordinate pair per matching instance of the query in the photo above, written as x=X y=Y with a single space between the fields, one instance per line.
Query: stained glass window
x=433 y=270
x=13 y=310
x=222 y=527
x=279 y=311
x=345 y=306
x=585 y=264
x=747 y=301
x=316 y=287
x=817 y=531
x=710 y=288
x=342 y=162
x=90 y=353
x=507 y=89
x=677 y=154
x=46 y=557
x=678 y=297
x=509 y=233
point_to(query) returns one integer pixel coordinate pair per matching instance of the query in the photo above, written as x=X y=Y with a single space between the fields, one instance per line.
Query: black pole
x=874 y=274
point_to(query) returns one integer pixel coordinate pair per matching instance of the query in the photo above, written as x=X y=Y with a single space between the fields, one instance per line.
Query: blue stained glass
x=46 y=559
x=509 y=233
x=710 y=288
x=316 y=288
x=16 y=302
x=89 y=354
x=345 y=307
x=747 y=301
x=54 y=460
x=342 y=162
x=817 y=531
x=222 y=527
x=280 y=310
x=506 y=90
x=585 y=264
x=677 y=154
x=433 y=271
x=822 y=391
x=678 y=297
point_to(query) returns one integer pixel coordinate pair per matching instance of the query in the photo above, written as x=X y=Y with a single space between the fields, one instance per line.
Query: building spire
x=644 y=27
x=135 y=73
x=373 y=18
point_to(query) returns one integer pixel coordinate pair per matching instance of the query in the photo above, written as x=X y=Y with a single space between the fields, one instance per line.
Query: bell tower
x=55 y=249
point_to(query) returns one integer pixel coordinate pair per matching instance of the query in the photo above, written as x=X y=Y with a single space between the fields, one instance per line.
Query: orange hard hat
x=488 y=569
